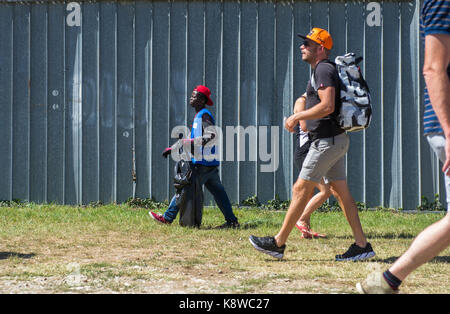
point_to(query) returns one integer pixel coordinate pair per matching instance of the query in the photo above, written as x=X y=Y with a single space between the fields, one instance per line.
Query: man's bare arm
x=437 y=59
x=300 y=105
x=322 y=109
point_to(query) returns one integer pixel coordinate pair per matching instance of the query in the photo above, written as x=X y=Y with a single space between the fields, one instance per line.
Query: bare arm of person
x=436 y=62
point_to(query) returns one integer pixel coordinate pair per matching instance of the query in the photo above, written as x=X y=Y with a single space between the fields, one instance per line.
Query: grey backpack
x=356 y=109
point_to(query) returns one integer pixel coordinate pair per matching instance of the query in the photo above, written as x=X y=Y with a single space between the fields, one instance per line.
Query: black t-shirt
x=325 y=75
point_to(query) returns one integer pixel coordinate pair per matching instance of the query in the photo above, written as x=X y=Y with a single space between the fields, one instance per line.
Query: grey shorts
x=326 y=159
x=437 y=143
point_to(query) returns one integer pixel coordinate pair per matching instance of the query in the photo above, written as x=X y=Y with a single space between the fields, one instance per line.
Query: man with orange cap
x=203 y=160
x=326 y=155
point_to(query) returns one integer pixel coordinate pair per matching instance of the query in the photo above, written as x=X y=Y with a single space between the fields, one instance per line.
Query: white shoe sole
x=360 y=257
x=271 y=253
x=360 y=289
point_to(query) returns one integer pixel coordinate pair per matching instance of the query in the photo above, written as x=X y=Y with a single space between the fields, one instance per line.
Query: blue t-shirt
x=435 y=19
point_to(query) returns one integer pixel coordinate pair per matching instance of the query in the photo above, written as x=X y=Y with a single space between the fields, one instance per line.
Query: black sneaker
x=267 y=245
x=229 y=225
x=356 y=253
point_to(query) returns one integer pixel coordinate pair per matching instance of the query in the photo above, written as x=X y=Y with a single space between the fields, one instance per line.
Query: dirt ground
x=143 y=257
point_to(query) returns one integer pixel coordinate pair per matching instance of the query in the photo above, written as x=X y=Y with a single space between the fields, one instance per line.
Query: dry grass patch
x=116 y=249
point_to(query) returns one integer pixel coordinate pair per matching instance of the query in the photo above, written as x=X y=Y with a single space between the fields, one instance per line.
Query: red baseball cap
x=205 y=91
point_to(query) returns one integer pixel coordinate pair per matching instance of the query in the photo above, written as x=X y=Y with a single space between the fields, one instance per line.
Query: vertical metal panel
x=265 y=108
x=247 y=99
x=125 y=100
x=90 y=120
x=6 y=85
x=107 y=102
x=21 y=103
x=391 y=106
x=83 y=106
x=230 y=92
x=373 y=73
x=144 y=18
x=160 y=101
x=410 y=103
x=55 y=104
x=73 y=114
x=355 y=14
x=38 y=104
x=285 y=37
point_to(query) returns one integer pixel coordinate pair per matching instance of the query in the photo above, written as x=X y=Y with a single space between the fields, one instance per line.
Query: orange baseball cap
x=320 y=36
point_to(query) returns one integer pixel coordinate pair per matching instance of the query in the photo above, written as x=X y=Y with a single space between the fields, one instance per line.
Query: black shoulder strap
x=313 y=78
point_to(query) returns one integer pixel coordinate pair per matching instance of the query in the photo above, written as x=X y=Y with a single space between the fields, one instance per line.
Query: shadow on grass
x=388 y=235
x=392 y=235
x=6 y=255
x=389 y=260
x=252 y=224
x=437 y=260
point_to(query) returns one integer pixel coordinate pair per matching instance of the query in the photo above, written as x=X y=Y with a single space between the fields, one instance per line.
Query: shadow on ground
x=437 y=259
x=6 y=255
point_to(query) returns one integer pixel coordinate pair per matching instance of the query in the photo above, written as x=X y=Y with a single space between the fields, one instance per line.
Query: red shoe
x=307 y=233
x=159 y=218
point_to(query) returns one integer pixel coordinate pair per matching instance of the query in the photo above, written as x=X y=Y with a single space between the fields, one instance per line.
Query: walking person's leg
x=322 y=155
x=169 y=215
x=435 y=238
x=336 y=175
x=427 y=245
x=301 y=191
x=215 y=186
x=275 y=246
x=304 y=223
x=314 y=203
x=350 y=210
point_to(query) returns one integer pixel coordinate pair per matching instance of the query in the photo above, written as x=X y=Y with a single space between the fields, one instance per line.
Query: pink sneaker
x=159 y=218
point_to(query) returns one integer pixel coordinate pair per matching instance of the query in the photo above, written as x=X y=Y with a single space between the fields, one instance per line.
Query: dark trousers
x=208 y=176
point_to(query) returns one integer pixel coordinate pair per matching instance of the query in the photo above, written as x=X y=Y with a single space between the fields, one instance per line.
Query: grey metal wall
x=81 y=105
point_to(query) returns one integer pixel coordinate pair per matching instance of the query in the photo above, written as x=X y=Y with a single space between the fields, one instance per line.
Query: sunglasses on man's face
x=307 y=43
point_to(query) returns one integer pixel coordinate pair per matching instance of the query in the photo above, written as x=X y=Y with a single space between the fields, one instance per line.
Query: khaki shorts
x=326 y=159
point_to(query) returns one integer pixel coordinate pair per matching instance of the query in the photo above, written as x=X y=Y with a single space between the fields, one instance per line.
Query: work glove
x=167 y=152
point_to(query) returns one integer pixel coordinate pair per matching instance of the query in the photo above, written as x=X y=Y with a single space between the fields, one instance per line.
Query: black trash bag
x=183 y=174
x=189 y=194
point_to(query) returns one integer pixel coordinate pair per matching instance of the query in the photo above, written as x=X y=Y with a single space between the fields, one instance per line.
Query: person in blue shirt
x=206 y=168
x=435 y=27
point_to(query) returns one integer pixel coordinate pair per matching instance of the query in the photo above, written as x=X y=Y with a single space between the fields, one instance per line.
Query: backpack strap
x=313 y=79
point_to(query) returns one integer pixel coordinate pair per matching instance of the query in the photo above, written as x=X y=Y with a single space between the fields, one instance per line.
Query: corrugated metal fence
x=90 y=91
